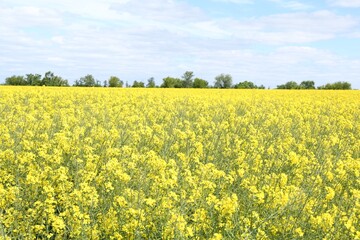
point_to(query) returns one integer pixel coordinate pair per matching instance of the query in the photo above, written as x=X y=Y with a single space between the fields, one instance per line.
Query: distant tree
x=187 y=79
x=98 y=83
x=151 y=83
x=336 y=86
x=86 y=81
x=343 y=85
x=137 y=84
x=248 y=85
x=324 y=87
x=289 y=85
x=115 y=82
x=89 y=80
x=292 y=85
x=16 y=81
x=50 y=79
x=105 y=83
x=33 y=79
x=223 y=81
x=307 y=85
x=282 y=86
x=200 y=83
x=170 y=82
x=245 y=85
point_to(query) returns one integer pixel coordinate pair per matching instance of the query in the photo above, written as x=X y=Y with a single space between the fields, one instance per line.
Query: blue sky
x=267 y=42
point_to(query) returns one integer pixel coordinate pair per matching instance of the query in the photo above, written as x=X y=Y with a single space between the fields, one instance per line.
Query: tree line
x=311 y=85
x=187 y=80
x=49 y=79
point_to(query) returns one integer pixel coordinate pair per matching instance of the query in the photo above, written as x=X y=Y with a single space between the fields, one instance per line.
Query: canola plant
x=100 y=163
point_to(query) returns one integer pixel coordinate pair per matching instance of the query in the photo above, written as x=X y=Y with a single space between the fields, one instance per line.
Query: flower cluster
x=179 y=164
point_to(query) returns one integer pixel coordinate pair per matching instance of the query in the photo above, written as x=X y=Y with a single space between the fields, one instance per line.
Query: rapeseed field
x=100 y=163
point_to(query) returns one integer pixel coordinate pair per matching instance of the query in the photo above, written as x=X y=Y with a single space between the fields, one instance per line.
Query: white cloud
x=236 y=1
x=345 y=3
x=299 y=54
x=137 y=39
x=288 y=63
x=293 y=5
x=25 y=16
x=160 y=10
x=354 y=35
x=290 y=27
x=318 y=21
x=58 y=39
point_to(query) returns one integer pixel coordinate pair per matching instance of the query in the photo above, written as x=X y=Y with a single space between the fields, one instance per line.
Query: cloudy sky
x=267 y=42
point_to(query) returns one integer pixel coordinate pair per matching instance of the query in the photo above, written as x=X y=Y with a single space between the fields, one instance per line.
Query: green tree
x=98 y=83
x=223 y=81
x=16 y=81
x=77 y=83
x=50 y=79
x=151 y=83
x=86 y=81
x=289 y=85
x=33 y=79
x=307 y=85
x=200 y=83
x=187 y=79
x=115 y=82
x=137 y=84
x=336 y=86
x=89 y=80
x=344 y=85
x=246 y=85
x=170 y=82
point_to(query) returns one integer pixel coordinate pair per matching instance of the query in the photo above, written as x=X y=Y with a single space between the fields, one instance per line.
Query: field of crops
x=97 y=163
